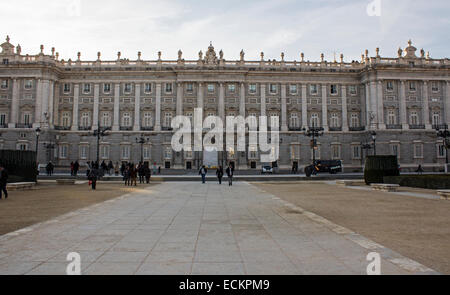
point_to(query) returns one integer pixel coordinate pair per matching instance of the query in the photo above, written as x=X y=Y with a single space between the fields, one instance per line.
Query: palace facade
x=403 y=99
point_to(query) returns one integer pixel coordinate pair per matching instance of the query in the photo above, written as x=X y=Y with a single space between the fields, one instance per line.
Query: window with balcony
x=352 y=89
x=189 y=87
x=211 y=88
x=390 y=86
x=66 y=88
x=148 y=121
x=412 y=86
x=26 y=119
x=28 y=84
x=313 y=89
x=441 y=151
x=85 y=120
x=3 y=121
x=413 y=118
x=354 y=121
x=293 y=89
x=252 y=88
x=167 y=120
x=65 y=119
x=334 y=121
x=392 y=118
x=231 y=88
x=314 y=120
x=294 y=122
x=436 y=118
x=105 y=120
x=273 y=88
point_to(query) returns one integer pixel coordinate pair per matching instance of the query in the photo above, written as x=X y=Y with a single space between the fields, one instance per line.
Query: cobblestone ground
x=190 y=228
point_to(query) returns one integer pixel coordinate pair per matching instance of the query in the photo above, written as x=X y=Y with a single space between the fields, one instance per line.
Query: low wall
x=420 y=181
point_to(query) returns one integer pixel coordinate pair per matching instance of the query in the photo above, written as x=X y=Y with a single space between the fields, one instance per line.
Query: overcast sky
x=272 y=26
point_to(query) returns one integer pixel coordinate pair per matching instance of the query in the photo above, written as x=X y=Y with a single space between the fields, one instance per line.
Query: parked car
x=267 y=169
x=321 y=166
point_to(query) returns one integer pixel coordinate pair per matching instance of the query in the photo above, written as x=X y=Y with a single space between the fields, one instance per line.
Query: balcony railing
x=335 y=128
x=147 y=128
x=167 y=129
x=360 y=128
x=4 y=126
x=84 y=128
x=295 y=129
x=24 y=125
x=126 y=128
x=416 y=127
x=392 y=127
x=440 y=127
x=63 y=128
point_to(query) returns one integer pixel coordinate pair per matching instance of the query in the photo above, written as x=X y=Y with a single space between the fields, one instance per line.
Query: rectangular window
x=333 y=89
x=168 y=87
x=412 y=86
x=252 y=88
x=63 y=150
x=168 y=153
x=104 y=152
x=395 y=150
x=441 y=151
x=435 y=87
x=28 y=84
x=353 y=90
x=106 y=88
x=147 y=153
x=211 y=88
x=356 y=152
x=336 y=152
x=293 y=89
x=390 y=86
x=190 y=87
x=418 y=151
x=84 y=151
x=127 y=88
x=87 y=88
x=313 y=89
x=273 y=88
x=4 y=84
x=3 y=119
x=26 y=118
x=148 y=88
x=66 y=88
x=231 y=88
x=125 y=152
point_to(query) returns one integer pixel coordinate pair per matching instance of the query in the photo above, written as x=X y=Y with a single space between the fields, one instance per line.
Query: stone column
x=76 y=99
x=222 y=102
x=373 y=103
x=116 y=119
x=158 y=108
x=402 y=99
x=200 y=96
x=242 y=101
x=367 y=104
x=14 y=118
x=447 y=103
x=56 y=104
x=180 y=99
x=263 y=100
x=324 y=107
x=45 y=102
x=95 y=120
x=38 y=104
x=425 y=106
x=51 y=103
x=304 y=106
x=380 y=105
x=344 y=109
x=284 y=126
x=137 y=107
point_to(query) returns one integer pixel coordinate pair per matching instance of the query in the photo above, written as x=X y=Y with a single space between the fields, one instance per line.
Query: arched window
x=148 y=122
x=436 y=118
x=413 y=118
x=334 y=120
x=392 y=118
x=294 y=121
x=106 y=120
x=354 y=120
x=85 y=120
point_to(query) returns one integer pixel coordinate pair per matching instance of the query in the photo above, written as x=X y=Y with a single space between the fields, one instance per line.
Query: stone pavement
x=190 y=228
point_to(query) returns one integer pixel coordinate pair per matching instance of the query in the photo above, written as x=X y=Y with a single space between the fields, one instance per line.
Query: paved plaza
x=188 y=228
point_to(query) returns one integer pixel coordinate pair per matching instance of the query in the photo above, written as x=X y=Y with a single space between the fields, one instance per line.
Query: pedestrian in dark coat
x=3 y=181
x=76 y=167
x=93 y=176
x=219 y=173
x=230 y=174
x=148 y=173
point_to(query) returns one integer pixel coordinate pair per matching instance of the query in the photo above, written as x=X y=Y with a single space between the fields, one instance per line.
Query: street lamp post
x=142 y=140
x=374 y=139
x=444 y=134
x=38 y=133
x=99 y=133
x=314 y=132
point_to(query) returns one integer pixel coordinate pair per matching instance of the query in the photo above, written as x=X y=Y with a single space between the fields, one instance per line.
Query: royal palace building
x=402 y=99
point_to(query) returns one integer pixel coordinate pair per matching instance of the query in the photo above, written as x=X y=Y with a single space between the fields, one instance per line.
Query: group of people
x=219 y=173
x=131 y=172
x=3 y=181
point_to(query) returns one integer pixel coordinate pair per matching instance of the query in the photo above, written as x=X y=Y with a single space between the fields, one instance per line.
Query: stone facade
x=403 y=99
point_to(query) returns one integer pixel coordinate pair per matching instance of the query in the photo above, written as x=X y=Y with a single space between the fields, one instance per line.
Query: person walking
x=147 y=173
x=3 y=181
x=126 y=175
x=203 y=171
x=133 y=175
x=116 y=169
x=76 y=167
x=419 y=169
x=93 y=176
x=141 y=173
x=230 y=174
x=219 y=173
x=110 y=167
